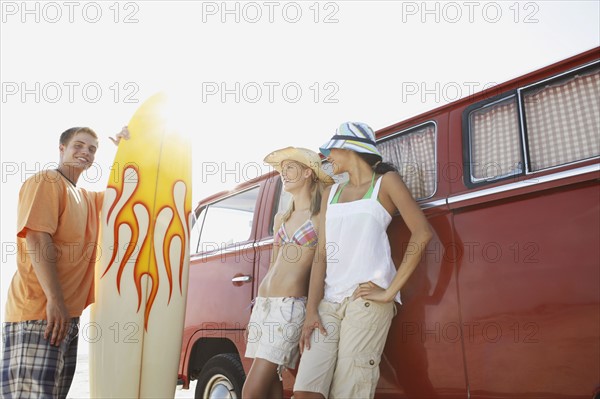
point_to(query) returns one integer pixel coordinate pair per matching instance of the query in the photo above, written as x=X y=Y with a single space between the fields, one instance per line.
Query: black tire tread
x=228 y=364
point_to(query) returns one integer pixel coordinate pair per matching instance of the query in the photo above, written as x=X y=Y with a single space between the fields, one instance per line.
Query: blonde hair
x=316 y=190
x=68 y=134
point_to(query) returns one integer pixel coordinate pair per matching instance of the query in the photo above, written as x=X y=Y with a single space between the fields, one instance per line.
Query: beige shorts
x=274 y=330
x=356 y=334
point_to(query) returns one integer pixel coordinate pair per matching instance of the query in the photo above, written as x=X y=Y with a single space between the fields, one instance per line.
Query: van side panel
x=529 y=293
x=213 y=274
x=423 y=357
x=528 y=277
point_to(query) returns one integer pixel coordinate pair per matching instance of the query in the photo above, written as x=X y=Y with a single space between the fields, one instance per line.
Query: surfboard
x=141 y=275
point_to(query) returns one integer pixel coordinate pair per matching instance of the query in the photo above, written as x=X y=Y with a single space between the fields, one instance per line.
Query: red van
x=506 y=300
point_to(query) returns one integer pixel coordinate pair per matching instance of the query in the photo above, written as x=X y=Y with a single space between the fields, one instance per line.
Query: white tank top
x=358 y=248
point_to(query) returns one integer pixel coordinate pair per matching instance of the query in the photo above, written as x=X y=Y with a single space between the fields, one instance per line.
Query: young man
x=57 y=233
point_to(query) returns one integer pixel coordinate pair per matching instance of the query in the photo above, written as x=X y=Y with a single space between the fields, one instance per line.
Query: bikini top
x=305 y=235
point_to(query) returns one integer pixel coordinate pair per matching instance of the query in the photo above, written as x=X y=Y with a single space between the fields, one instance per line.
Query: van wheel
x=221 y=377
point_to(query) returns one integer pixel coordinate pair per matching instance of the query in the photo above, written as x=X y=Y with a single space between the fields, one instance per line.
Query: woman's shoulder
x=278 y=218
x=391 y=177
x=392 y=181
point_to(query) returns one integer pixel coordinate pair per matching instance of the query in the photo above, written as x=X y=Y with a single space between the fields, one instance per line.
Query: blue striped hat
x=355 y=136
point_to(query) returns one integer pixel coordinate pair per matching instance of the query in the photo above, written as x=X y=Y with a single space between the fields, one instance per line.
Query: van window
x=228 y=221
x=563 y=120
x=495 y=141
x=413 y=153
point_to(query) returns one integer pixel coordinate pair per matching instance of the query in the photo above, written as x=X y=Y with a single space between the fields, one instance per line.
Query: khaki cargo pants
x=345 y=362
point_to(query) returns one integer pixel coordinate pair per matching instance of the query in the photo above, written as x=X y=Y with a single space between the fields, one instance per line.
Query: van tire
x=223 y=374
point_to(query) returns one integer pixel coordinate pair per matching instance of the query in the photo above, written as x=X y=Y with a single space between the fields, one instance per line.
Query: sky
x=252 y=77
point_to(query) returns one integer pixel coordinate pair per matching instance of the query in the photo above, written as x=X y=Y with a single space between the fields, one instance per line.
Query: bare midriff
x=289 y=275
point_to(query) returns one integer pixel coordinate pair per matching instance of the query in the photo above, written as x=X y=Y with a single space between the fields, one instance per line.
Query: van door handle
x=241 y=279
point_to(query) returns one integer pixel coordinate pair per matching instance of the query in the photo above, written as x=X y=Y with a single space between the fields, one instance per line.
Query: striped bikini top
x=305 y=235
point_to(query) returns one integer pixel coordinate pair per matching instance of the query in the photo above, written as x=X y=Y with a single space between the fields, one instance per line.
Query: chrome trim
x=241 y=279
x=196 y=257
x=435 y=148
x=524 y=143
x=563 y=165
x=525 y=183
x=433 y=204
x=266 y=241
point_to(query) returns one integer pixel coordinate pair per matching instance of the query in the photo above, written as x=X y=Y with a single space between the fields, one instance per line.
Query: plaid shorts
x=31 y=367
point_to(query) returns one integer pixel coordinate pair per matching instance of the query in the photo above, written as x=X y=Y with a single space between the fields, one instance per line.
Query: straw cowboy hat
x=306 y=157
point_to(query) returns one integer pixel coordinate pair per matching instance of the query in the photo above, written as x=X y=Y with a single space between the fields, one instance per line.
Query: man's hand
x=43 y=259
x=123 y=134
x=58 y=322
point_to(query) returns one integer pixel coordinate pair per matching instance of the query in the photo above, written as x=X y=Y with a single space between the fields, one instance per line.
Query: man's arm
x=42 y=252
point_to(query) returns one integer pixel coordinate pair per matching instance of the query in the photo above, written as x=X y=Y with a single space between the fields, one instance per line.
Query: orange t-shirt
x=49 y=203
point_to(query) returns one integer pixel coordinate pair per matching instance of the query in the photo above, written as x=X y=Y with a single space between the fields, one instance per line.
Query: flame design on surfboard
x=163 y=245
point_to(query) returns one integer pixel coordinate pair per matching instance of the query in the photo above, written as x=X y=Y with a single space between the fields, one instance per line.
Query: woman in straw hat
x=278 y=314
x=354 y=284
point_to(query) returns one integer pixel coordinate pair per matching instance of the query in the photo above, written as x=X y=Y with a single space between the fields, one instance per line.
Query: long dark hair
x=377 y=164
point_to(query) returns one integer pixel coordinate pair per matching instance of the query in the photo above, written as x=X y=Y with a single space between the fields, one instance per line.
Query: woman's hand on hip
x=372 y=292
